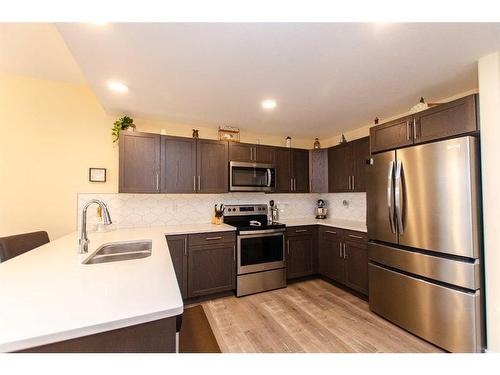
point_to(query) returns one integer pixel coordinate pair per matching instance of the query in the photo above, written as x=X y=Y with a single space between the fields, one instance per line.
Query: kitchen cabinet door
x=300 y=256
x=318 y=170
x=356 y=266
x=300 y=170
x=212 y=166
x=211 y=269
x=178 y=165
x=391 y=135
x=283 y=173
x=178 y=245
x=331 y=260
x=242 y=152
x=361 y=155
x=446 y=120
x=340 y=166
x=139 y=162
x=265 y=154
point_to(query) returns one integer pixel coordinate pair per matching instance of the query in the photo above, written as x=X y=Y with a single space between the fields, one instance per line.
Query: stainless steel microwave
x=245 y=176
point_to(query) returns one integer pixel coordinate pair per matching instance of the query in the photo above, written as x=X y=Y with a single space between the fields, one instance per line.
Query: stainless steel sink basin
x=117 y=251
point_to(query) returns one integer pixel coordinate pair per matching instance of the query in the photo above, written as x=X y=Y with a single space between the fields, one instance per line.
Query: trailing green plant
x=119 y=125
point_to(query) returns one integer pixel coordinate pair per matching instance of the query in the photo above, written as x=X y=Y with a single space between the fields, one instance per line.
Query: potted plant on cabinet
x=124 y=123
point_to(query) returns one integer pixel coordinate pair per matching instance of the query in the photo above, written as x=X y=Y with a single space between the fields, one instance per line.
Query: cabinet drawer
x=330 y=232
x=300 y=231
x=211 y=238
x=351 y=235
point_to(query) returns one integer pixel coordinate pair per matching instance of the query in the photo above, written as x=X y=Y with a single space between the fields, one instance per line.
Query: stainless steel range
x=261 y=263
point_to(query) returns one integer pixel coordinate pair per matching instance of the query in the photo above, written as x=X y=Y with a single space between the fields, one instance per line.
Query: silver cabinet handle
x=291 y=184
x=199 y=183
x=330 y=231
x=408 y=131
x=251 y=150
x=353 y=236
x=349 y=182
x=255 y=154
x=213 y=238
x=288 y=247
x=234 y=254
x=399 y=198
x=300 y=230
x=415 y=128
x=194 y=183
x=340 y=249
x=185 y=247
x=344 y=252
x=157 y=181
x=353 y=183
x=390 y=198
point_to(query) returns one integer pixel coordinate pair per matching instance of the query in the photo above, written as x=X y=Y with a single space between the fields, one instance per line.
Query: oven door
x=261 y=251
x=251 y=176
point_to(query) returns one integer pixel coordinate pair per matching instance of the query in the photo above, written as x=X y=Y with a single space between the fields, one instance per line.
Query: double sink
x=118 y=251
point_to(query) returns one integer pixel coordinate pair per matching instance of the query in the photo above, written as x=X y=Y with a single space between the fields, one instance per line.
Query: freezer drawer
x=446 y=317
x=465 y=274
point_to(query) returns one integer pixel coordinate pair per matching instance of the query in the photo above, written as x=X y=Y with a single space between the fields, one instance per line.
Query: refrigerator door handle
x=390 y=196
x=399 y=196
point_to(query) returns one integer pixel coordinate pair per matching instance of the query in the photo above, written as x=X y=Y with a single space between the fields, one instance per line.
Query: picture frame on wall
x=97 y=174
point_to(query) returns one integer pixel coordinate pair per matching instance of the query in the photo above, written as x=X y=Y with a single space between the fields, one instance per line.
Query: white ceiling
x=326 y=78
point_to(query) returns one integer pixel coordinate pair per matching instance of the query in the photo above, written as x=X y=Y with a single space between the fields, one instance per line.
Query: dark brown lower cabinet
x=178 y=246
x=343 y=257
x=157 y=336
x=301 y=251
x=204 y=263
x=356 y=266
x=212 y=269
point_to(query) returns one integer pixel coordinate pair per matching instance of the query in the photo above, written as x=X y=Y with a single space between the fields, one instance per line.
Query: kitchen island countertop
x=47 y=295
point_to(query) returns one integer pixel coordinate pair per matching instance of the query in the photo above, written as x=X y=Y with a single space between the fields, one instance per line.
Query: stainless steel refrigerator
x=424 y=226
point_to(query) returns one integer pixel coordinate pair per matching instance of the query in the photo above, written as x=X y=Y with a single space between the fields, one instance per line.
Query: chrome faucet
x=83 y=243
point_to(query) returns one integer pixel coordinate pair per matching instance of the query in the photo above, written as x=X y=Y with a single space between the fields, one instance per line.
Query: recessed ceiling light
x=117 y=86
x=268 y=104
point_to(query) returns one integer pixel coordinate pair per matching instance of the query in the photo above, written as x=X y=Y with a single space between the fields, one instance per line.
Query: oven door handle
x=260 y=233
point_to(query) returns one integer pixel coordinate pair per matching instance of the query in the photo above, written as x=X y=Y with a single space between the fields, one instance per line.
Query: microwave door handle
x=390 y=196
x=399 y=197
x=268 y=177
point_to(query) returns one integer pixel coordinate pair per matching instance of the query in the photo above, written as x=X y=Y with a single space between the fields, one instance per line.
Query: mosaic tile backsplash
x=151 y=210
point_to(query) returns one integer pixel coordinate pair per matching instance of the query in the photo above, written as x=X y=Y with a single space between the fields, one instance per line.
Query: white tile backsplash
x=150 y=210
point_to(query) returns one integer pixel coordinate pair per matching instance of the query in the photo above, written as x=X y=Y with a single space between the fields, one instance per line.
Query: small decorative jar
x=288 y=142
x=317 y=145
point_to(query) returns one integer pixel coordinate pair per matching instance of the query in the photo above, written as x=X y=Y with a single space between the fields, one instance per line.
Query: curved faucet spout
x=83 y=243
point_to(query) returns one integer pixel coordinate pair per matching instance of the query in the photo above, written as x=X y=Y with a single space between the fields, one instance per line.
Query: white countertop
x=359 y=226
x=47 y=295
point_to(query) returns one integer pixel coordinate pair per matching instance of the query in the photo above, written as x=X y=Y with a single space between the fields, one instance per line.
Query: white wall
x=489 y=102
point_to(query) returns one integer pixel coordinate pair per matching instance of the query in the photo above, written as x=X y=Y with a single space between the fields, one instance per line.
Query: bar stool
x=12 y=246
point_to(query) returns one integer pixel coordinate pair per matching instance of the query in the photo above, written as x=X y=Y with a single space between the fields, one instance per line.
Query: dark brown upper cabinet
x=245 y=152
x=300 y=170
x=179 y=165
x=446 y=120
x=347 y=166
x=212 y=166
x=391 y=135
x=318 y=170
x=283 y=172
x=443 y=121
x=292 y=170
x=139 y=162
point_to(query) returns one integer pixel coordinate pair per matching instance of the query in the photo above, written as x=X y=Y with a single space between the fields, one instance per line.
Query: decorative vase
x=317 y=145
x=288 y=142
x=130 y=128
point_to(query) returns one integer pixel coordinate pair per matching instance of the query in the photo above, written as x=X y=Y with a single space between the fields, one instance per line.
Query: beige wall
x=50 y=134
x=489 y=96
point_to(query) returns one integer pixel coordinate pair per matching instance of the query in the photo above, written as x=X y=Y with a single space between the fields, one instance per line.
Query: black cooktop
x=249 y=218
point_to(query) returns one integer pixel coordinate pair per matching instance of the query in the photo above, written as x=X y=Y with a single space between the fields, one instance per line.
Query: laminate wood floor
x=308 y=316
